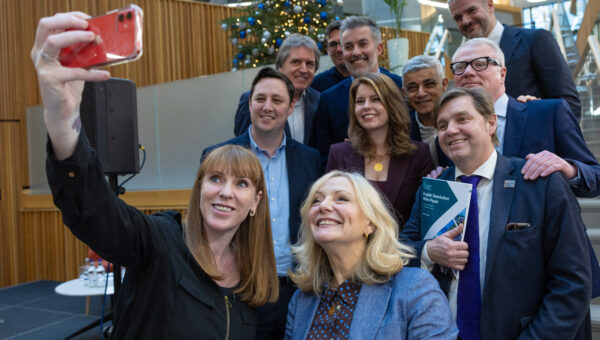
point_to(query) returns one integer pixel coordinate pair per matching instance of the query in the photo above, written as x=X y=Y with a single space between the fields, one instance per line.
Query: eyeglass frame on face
x=332 y=45
x=488 y=60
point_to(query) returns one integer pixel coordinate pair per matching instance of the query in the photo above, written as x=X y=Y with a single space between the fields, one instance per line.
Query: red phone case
x=118 y=40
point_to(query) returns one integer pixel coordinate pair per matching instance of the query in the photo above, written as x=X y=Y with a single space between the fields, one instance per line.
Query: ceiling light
x=436 y=3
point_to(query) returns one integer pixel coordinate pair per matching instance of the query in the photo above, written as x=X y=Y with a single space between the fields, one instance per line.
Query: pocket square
x=517 y=226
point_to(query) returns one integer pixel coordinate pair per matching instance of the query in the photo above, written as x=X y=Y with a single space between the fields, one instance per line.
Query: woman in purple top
x=380 y=147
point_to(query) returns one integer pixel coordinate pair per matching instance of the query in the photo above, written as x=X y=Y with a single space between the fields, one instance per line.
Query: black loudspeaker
x=109 y=118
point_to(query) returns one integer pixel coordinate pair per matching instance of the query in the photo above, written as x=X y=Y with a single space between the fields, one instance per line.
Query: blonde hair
x=252 y=242
x=398 y=137
x=383 y=256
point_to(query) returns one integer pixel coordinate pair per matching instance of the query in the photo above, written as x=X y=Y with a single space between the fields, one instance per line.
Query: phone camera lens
x=129 y=15
x=121 y=17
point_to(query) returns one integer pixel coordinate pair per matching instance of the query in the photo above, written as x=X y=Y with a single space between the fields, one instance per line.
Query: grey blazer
x=409 y=306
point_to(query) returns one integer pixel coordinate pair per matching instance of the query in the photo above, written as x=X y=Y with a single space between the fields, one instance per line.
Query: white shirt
x=428 y=134
x=496 y=33
x=500 y=107
x=296 y=119
x=484 y=204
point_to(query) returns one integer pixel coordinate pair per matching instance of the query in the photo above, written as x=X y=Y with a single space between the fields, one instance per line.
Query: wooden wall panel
x=416 y=43
x=182 y=39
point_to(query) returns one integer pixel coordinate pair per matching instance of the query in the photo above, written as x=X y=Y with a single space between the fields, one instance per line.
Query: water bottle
x=100 y=274
x=92 y=279
x=83 y=273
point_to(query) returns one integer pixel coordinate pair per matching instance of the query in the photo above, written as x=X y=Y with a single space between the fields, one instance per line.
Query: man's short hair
x=482 y=41
x=356 y=22
x=482 y=102
x=294 y=41
x=422 y=62
x=484 y=2
x=332 y=27
x=269 y=72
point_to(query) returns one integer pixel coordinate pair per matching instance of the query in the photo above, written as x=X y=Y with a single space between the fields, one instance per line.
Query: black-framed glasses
x=332 y=45
x=478 y=64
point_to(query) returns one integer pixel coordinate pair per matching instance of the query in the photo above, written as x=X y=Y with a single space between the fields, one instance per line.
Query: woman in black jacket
x=197 y=279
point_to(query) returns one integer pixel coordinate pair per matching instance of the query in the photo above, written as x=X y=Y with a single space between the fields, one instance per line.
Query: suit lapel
x=305 y=314
x=370 y=309
x=509 y=42
x=353 y=161
x=516 y=119
x=502 y=198
x=311 y=100
x=396 y=176
x=292 y=169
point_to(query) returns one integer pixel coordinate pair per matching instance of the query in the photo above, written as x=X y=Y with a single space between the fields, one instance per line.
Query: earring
x=252 y=213
x=366 y=233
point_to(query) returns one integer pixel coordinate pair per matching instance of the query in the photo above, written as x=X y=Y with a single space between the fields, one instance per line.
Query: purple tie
x=468 y=301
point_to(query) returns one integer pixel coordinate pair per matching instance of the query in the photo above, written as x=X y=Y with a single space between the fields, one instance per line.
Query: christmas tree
x=261 y=28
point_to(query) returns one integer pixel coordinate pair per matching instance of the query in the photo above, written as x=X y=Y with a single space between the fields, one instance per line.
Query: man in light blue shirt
x=289 y=169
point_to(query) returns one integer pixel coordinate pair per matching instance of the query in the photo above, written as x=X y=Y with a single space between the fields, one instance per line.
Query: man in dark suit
x=545 y=132
x=290 y=168
x=524 y=268
x=361 y=43
x=534 y=61
x=423 y=84
x=338 y=71
x=298 y=59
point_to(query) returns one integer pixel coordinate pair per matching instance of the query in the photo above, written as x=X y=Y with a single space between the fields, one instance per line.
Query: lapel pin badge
x=509 y=183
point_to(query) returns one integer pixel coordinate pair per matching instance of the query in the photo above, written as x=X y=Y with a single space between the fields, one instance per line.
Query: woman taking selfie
x=380 y=147
x=195 y=279
x=351 y=276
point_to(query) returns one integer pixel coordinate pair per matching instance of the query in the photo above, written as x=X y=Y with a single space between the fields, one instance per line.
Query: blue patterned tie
x=468 y=301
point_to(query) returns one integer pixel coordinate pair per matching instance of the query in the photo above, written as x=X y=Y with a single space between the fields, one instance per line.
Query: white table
x=76 y=288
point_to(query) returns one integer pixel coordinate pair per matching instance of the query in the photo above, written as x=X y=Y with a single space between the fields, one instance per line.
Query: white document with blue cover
x=444 y=205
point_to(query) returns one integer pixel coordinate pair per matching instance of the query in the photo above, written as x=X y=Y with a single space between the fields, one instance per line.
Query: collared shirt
x=496 y=33
x=335 y=312
x=428 y=134
x=278 y=194
x=500 y=107
x=296 y=119
x=484 y=204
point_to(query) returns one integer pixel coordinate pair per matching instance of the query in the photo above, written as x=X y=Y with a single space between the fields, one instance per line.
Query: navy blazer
x=327 y=79
x=536 y=66
x=550 y=125
x=331 y=121
x=311 y=102
x=409 y=306
x=537 y=281
x=415 y=134
x=303 y=169
x=404 y=174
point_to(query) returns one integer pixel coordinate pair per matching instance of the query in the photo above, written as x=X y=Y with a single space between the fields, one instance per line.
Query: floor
x=34 y=311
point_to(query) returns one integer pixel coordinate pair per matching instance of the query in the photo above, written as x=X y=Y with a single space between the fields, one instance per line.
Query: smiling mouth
x=222 y=208
x=458 y=141
x=369 y=116
x=326 y=222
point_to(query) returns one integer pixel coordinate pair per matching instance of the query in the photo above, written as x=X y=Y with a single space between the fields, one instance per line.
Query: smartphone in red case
x=118 y=40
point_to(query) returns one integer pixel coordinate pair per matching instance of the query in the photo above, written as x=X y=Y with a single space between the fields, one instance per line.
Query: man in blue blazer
x=290 y=168
x=532 y=268
x=298 y=59
x=545 y=132
x=361 y=43
x=534 y=61
x=338 y=71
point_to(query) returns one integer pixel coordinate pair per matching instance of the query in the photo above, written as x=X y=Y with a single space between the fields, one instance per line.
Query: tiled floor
x=34 y=311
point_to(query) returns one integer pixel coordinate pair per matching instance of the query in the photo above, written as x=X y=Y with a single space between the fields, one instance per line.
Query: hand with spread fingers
x=544 y=163
x=524 y=98
x=60 y=86
x=445 y=251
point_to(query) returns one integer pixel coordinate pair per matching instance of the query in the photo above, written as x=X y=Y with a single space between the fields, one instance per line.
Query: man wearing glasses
x=535 y=64
x=338 y=71
x=544 y=132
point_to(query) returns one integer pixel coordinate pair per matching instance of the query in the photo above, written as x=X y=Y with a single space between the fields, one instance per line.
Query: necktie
x=468 y=309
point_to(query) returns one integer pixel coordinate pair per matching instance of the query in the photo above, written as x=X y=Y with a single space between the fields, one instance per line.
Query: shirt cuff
x=574 y=182
x=426 y=262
